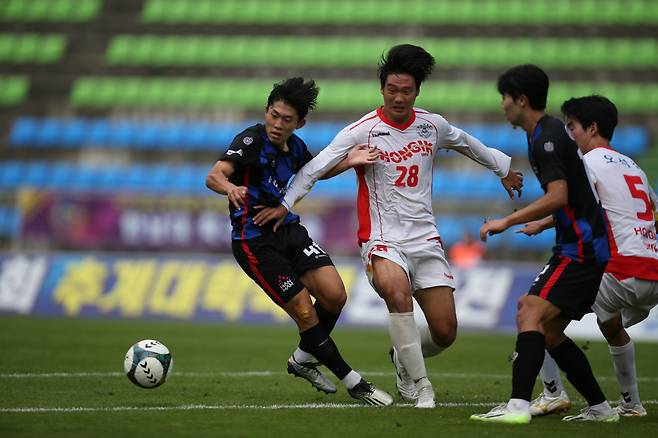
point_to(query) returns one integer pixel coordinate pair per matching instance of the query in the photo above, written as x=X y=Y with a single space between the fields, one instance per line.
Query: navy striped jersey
x=581 y=232
x=265 y=170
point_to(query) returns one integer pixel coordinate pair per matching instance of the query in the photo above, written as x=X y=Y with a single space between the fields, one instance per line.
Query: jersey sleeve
x=318 y=166
x=451 y=137
x=243 y=150
x=549 y=153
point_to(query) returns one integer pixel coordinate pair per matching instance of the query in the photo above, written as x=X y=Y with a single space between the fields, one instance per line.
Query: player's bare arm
x=536 y=227
x=217 y=181
x=513 y=182
x=556 y=197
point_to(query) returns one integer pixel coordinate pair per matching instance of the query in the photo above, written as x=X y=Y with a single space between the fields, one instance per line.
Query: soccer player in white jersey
x=400 y=243
x=629 y=287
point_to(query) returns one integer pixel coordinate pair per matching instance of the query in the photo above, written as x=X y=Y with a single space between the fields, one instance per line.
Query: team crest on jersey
x=549 y=146
x=248 y=140
x=424 y=130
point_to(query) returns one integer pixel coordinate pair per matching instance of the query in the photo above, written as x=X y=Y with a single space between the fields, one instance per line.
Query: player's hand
x=513 y=181
x=237 y=195
x=531 y=228
x=267 y=214
x=492 y=227
x=361 y=155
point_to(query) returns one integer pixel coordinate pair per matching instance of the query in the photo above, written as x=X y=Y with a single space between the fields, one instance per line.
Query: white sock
x=550 y=376
x=406 y=341
x=623 y=358
x=602 y=407
x=351 y=380
x=427 y=344
x=518 y=405
x=301 y=356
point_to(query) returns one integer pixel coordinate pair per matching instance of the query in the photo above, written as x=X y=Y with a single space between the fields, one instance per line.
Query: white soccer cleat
x=589 y=414
x=544 y=404
x=425 y=396
x=405 y=384
x=368 y=393
x=309 y=372
x=501 y=414
x=631 y=409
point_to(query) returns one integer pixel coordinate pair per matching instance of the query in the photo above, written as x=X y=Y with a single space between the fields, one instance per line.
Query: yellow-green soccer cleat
x=500 y=414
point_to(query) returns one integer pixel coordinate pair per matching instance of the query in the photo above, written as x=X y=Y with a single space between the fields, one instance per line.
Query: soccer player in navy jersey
x=567 y=286
x=287 y=264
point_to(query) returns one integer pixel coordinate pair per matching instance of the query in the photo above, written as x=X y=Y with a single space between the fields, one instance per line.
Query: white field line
x=81 y=409
x=277 y=373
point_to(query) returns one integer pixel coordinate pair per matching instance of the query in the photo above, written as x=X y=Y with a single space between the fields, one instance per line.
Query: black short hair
x=593 y=109
x=526 y=79
x=406 y=59
x=298 y=94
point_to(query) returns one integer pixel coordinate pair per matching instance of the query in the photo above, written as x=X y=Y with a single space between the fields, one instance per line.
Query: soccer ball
x=148 y=363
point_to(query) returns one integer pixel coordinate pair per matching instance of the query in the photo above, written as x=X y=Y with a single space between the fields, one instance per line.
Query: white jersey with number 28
x=394 y=200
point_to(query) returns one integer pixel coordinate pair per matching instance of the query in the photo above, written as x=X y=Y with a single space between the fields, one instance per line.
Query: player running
x=400 y=244
x=286 y=263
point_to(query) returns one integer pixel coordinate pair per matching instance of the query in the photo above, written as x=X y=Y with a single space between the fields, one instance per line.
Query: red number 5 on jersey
x=633 y=181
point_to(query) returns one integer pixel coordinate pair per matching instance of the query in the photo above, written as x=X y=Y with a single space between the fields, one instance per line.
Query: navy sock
x=317 y=342
x=327 y=319
x=530 y=356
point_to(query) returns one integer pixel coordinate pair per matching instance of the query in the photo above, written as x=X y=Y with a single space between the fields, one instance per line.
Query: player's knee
x=447 y=336
x=305 y=315
x=613 y=331
x=337 y=302
x=398 y=302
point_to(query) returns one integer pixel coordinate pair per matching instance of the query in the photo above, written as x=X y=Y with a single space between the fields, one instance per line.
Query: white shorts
x=424 y=261
x=633 y=297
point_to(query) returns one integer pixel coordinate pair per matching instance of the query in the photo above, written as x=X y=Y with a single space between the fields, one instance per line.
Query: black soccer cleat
x=366 y=392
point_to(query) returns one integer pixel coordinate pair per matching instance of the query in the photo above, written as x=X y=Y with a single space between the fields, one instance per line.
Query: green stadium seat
x=13 y=90
x=343 y=95
x=567 y=53
x=68 y=11
x=31 y=48
x=342 y=12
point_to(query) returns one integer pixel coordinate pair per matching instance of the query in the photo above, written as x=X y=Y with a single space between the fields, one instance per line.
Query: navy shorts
x=276 y=260
x=569 y=285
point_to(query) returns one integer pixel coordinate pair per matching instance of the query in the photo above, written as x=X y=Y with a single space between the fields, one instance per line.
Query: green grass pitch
x=64 y=378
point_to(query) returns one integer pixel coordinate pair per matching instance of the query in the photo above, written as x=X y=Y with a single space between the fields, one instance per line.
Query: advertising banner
x=214 y=288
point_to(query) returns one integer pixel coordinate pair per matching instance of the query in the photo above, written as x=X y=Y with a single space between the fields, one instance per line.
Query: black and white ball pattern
x=148 y=363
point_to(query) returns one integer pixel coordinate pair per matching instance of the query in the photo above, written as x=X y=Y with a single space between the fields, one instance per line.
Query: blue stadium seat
x=215 y=136
x=11 y=174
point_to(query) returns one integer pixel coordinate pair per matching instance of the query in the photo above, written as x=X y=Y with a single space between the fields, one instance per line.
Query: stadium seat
x=68 y=11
